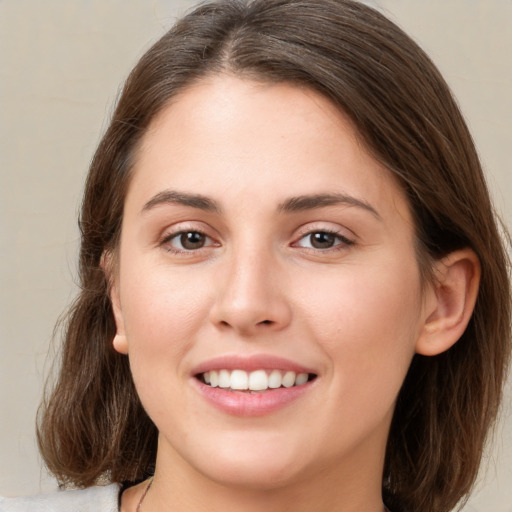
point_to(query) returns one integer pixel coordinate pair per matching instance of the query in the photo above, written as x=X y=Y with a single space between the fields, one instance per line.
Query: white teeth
x=224 y=379
x=239 y=380
x=275 y=379
x=289 y=379
x=258 y=380
x=302 y=378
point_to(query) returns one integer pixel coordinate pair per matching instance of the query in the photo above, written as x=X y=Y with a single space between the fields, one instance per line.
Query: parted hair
x=92 y=426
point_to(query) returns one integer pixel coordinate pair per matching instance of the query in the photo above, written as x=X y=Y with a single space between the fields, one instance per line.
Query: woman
x=293 y=286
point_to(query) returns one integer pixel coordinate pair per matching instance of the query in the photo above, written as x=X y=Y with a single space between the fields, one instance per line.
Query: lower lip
x=240 y=403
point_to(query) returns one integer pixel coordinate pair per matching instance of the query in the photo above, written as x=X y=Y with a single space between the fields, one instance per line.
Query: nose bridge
x=250 y=297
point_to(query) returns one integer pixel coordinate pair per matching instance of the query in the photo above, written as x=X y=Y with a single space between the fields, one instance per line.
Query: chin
x=257 y=464
x=254 y=477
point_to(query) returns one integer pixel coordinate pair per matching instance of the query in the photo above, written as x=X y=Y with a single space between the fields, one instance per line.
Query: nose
x=250 y=298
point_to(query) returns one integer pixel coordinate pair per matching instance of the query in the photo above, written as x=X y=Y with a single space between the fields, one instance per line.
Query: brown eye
x=191 y=240
x=322 y=240
x=184 y=241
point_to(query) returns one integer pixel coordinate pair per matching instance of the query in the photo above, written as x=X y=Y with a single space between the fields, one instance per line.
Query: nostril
x=266 y=322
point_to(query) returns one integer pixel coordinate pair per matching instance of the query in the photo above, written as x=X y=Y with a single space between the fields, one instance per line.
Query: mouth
x=256 y=381
x=253 y=385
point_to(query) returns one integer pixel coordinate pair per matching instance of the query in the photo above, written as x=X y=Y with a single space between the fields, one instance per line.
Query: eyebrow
x=182 y=198
x=310 y=202
x=291 y=205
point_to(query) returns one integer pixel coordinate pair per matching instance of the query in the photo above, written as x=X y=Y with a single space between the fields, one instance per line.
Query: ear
x=449 y=302
x=119 y=342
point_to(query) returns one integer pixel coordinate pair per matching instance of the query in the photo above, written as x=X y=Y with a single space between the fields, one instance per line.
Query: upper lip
x=250 y=363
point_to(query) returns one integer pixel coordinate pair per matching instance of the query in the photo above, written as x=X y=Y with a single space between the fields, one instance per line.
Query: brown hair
x=93 y=426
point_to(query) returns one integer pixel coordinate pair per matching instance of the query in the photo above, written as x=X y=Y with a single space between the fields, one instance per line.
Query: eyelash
x=343 y=244
x=343 y=241
x=169 y=237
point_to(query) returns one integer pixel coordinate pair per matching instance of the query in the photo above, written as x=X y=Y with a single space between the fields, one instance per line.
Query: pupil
x=192 y=240
x=322 y=240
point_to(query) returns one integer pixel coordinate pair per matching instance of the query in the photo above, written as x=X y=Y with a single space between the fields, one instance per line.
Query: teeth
x=224 y=379
x=289 y=379
x=258 y=380
x=239 y=380
x=274 y=379
x=302 y=378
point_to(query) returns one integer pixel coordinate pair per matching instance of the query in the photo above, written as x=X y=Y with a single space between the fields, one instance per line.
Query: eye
x=323 y=240
x=187 y=241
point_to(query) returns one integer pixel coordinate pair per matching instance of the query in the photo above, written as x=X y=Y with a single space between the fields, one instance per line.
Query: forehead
x=229 y=134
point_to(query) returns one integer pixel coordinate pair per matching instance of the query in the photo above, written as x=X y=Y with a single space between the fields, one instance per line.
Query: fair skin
x=257 y=227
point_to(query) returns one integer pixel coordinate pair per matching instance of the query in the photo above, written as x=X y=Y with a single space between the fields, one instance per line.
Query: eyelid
x=347 y=237
x=177 y=234
x=326 y=227
x=175 y=231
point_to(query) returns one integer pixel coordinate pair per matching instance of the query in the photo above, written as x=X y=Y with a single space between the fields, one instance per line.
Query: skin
x=354 y=312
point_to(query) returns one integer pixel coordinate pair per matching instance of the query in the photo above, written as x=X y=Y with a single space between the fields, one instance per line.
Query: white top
x=93 y=499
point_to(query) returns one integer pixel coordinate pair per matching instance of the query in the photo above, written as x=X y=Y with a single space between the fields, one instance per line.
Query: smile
x=254 y=381
x=253 y=385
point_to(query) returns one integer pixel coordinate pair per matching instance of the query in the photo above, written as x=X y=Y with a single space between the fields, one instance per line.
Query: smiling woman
x=293 y=286
x=286 y=278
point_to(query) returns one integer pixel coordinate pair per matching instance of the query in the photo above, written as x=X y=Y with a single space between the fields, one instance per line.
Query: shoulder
x=93 y=499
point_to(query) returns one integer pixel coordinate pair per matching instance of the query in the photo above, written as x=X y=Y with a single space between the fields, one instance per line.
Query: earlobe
x=450 y=302
x=119 y=342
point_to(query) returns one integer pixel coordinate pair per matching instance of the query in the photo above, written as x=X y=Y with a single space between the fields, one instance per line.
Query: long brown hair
x=92 y=426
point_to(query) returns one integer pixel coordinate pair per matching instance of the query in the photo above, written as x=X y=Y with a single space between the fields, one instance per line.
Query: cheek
x=163 y=315
x=161 y=304
x=367 y=323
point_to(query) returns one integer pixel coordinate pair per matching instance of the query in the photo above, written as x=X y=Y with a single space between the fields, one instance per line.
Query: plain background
x=61 y=63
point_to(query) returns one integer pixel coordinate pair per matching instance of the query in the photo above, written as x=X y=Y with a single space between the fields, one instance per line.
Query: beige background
x=61 y=63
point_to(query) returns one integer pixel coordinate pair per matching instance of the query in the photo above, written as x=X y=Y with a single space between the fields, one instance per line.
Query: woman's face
x=262 y=246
